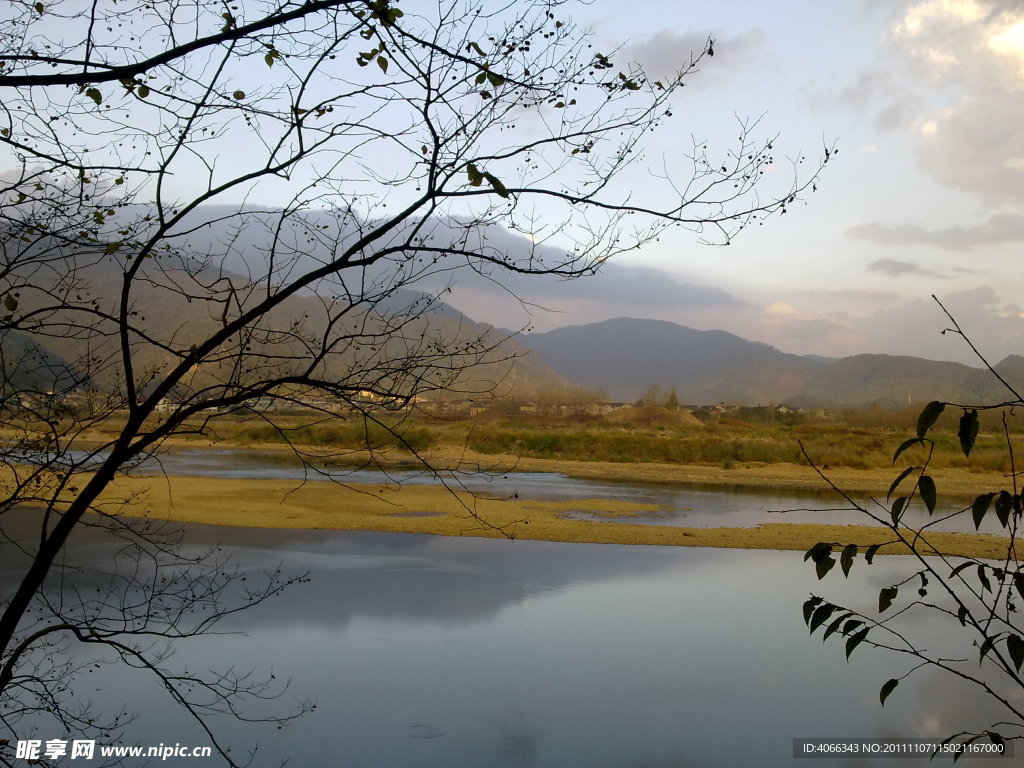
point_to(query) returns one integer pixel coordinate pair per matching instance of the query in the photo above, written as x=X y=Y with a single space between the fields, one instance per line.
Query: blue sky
x=924 y=98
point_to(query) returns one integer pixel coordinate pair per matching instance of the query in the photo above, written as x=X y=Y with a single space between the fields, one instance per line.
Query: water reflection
x=429 y=651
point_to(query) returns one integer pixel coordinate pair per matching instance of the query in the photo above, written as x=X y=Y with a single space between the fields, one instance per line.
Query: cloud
x=999 y=229
x=666 y=52
x=969 y=55
x=896 y=268
x=909 y=328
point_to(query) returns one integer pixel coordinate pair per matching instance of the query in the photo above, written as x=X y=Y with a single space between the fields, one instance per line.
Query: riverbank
x=439 y=511
x=950 y=481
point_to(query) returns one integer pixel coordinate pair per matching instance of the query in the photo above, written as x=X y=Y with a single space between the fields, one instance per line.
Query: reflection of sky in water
x=431 y=651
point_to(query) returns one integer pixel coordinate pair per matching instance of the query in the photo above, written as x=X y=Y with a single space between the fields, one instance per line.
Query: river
x=426 y=652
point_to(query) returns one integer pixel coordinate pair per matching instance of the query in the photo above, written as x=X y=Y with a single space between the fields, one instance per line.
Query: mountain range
x=626 y=356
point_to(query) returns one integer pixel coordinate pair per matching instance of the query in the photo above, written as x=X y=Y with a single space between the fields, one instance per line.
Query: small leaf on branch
x=846 y=559
x=95 y=95
x=885 y=598
x=1004 y=502
x=985 y=583
x=898 y=480
x=823 y=566
x=497 y=185
x=834 y=626
x=904 y=445
x=979 y=507
x=869 y=555
x=809 y=606
x=238 y=95
x=10 y=303
x=889 y=687
x=856 y=640
x=851 y=625
x=928 y=417
x=968 y=431
x=1015 y=646
x=898 y=507
x=928 y=493
x=821 y=615
x=143 y=91
x=382 y=62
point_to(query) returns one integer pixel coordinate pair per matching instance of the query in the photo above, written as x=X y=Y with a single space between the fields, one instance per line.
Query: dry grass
x=434 y=510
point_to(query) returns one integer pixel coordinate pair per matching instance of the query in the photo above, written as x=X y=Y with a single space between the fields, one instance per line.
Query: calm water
x=429 y=651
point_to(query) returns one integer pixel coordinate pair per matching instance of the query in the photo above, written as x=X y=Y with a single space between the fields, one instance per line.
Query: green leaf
x=40 y=8
x=821 y=615
x=382 y=62
x=985 y=583
x=143 y=91
x=928 y=493
x=95 y=95
x=846 y=559
x=889 y=687
x=10 y=303
x=979 y=507
x=987 y=646
x=959 y=568
x=968 y=431
x=904 y=445
x=480 y=78
x=111 y=248
x=869 y=555
x=269 y=58
x=898 y=507
x=823 y=566
x=856 y=640
x=928 y=417
x=238 y=95
x=821 y=553
x=818 y=551
x=851 y=625
x=834 y=626
x=898 y=480
x=495 y=80
x=885 y=598
x=1004 y=501
x=1015 y=646
x=809 y=607
x=497 y=185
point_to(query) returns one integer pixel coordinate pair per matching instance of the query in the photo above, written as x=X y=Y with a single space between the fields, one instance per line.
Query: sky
x=925 y=101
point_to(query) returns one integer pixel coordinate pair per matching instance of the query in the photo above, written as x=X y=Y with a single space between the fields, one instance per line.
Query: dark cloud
x=999 y=229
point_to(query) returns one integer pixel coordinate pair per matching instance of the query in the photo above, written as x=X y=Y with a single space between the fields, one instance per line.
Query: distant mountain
x=177 y=307
x=625 y=356
x=894 y=381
